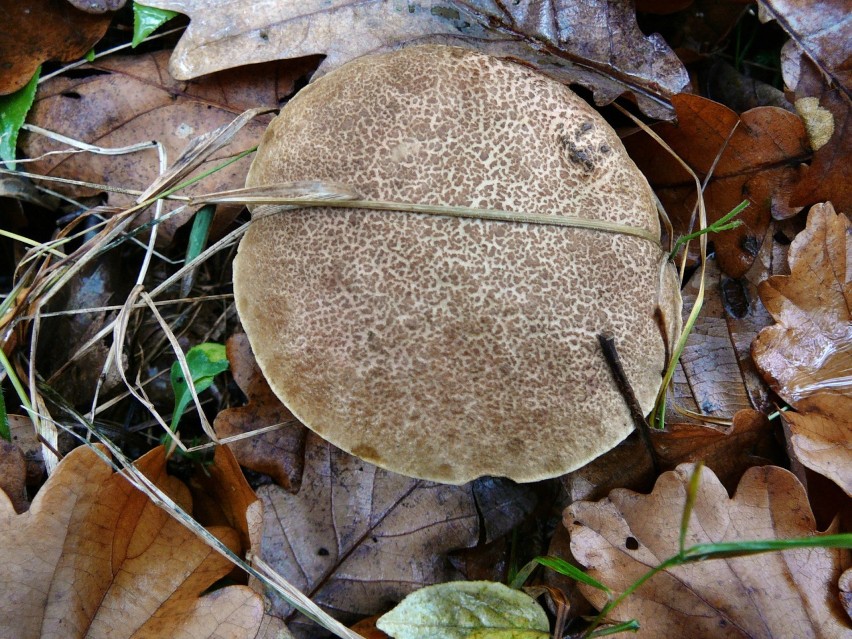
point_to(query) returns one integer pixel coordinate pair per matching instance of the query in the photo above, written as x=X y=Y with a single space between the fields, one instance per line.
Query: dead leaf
x=809 y=350
x=572 y=42
x=278 y=453
x=628 y=465
x=829 y=177
x=815 y=66
x=758 y=164
x=25 y=438
x=727 y=451
x=790 y=593
x=357 y=538
x=13 y=475
x=846 y=592
x=40 y=30
x=98 y=6
x=126 y=100
x=821 y=428
x=822 y=29
x=93 y=557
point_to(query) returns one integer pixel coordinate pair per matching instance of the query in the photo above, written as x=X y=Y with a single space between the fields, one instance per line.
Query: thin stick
x=614 y=361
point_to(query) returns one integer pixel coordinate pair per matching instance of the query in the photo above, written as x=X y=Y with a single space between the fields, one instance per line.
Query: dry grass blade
x=294 y=195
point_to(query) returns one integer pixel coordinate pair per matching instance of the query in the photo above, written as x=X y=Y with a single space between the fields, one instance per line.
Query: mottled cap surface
x=449 y=348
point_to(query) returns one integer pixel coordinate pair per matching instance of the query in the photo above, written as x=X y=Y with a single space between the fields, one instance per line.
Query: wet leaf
x=758 y=165
x=93 y=557
x=821 y=436
x=793 y=592
x=40 y=30
x=356 y=537
x=569 y=41
x=464 y=610
x=124 y=100
x=809 y=350
x=278 y=453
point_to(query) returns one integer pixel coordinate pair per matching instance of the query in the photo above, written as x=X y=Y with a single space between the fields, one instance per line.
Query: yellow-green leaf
x=466 y=610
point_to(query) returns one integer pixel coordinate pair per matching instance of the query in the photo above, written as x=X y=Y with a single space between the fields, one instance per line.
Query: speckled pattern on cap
x=453 y=348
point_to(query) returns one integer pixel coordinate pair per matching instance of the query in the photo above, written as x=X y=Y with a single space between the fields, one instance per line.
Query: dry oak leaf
x=758 y=164
x=278 y=453
x=820 y=28
x=597 y=44
x=809 y=350
x=816 y=68
x=357 y=538
x=39 y=30
x=821 y=436
x=94 y=557
x=786 y=594
x=827 y=110
x=125 y=100
x=727 y=451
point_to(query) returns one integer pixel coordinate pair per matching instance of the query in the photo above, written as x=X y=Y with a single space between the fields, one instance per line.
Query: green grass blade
x=5 y=431
x=564 y=568
x=624 y=626
x=691 y=494
x=723 y=550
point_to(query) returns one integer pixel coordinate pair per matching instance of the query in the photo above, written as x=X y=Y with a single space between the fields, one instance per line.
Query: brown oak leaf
x=125 y=100
x=809 y=350
x=356 y=538
x=759 y=164
x=39 y=30
x=792 y=593
x=596 y=44
x=278 y=453
x=821 y=436
x=94 y=557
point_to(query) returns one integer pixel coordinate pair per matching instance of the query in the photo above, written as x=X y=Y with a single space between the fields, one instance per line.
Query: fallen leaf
x=846 y=592
x=628 y=465
x=597 y=44
x=356 y=538
x=124 y=100
x=13 y=475
x=829 y=177
x=98 y=6
x=821 y=428
x=815 y=66
x=40 y=30
x=727 y=451
x=93 y=557
x=784 y=594
x=758 y=164
x=464 y=610
x=821 y=28
x=809 y=350
x=278 y=453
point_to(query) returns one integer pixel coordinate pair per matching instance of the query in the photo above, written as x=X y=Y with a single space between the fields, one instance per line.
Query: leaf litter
x=818 y=432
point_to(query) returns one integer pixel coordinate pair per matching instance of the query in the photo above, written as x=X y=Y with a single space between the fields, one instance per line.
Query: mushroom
x=447 y=348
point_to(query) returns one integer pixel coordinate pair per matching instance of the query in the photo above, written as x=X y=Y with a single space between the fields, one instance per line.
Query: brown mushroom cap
x=448 y=348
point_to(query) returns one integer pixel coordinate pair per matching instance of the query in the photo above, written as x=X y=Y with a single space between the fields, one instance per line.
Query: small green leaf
x=90 y=55
x=466 y=610
x=13 y=112
x=205 y=361
x=147 y=19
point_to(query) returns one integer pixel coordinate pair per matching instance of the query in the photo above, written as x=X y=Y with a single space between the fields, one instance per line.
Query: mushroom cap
x=447 y=348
